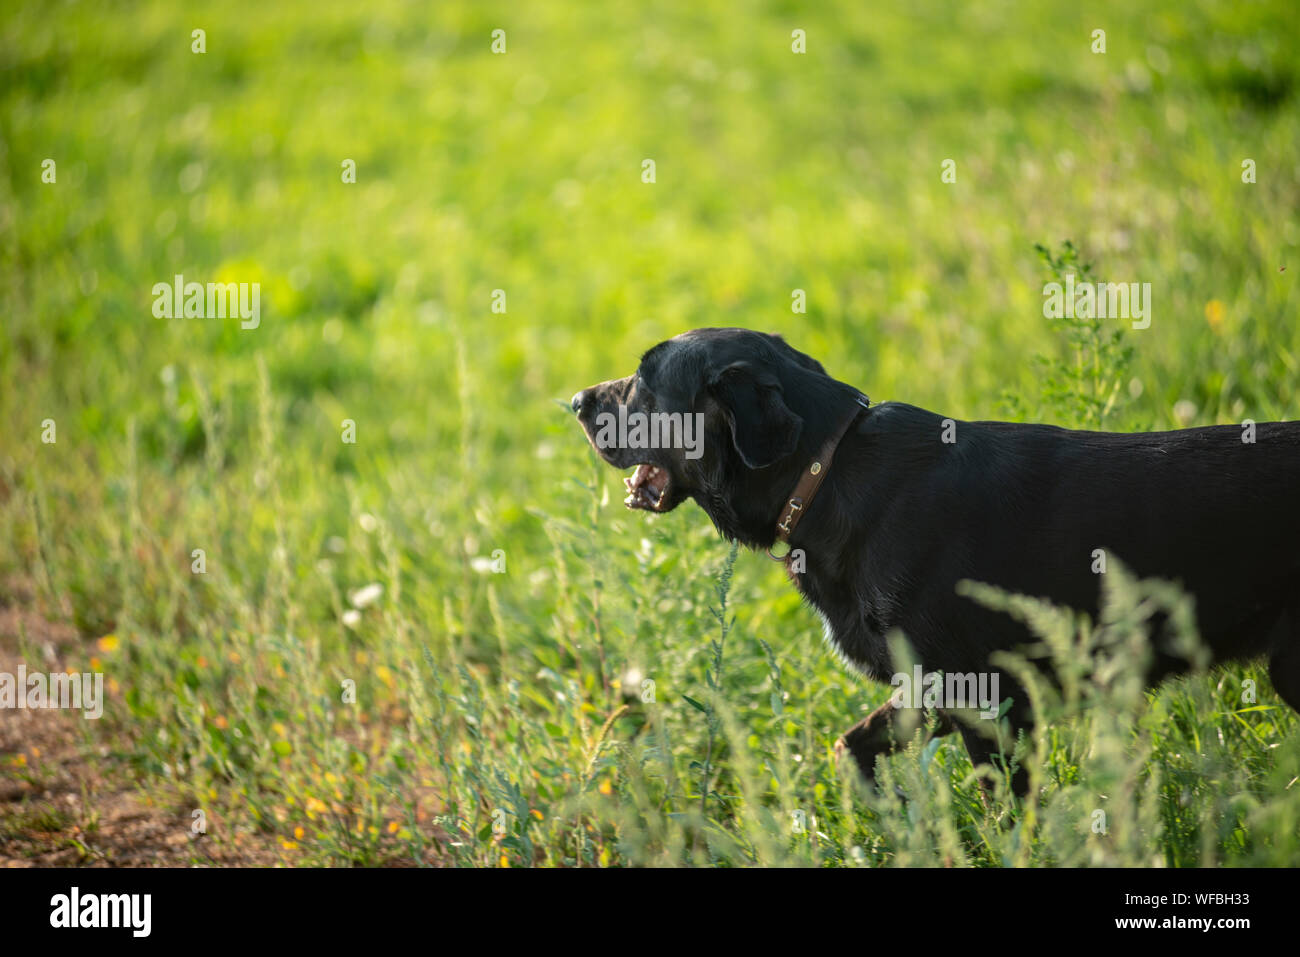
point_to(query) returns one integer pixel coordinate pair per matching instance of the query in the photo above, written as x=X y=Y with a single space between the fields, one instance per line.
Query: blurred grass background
x=481 y=692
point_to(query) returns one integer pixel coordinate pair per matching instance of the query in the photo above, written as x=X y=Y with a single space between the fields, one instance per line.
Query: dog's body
x=914 y=503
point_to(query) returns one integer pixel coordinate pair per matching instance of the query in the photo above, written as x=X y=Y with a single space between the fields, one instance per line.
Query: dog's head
x=724 y=416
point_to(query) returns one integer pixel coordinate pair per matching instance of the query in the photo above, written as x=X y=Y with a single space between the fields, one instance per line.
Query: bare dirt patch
x=66 y=798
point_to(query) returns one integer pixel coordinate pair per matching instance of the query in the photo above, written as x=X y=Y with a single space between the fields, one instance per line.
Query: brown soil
x=65 y=798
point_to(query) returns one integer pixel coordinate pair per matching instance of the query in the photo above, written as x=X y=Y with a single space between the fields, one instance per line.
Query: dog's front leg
x=881 y=732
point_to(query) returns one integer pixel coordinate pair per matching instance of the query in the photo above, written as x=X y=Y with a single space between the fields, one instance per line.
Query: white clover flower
x=368 y=595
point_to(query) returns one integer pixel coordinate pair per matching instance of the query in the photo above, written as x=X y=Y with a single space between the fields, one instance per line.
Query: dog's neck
x=748 y=509
x=810 y=480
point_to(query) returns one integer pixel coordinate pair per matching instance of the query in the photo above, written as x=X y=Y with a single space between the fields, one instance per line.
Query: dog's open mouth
x=647 y=487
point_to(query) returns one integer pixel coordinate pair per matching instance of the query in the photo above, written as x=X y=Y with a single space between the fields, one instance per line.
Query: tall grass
x=441 y=644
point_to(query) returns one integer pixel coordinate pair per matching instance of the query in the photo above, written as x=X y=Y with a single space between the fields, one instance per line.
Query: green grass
x=495 y=720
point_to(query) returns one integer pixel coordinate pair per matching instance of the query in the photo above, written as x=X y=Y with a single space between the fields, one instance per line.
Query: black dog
x=890 y=506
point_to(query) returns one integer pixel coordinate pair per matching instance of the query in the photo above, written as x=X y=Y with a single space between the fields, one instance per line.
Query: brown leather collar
x=812 y=477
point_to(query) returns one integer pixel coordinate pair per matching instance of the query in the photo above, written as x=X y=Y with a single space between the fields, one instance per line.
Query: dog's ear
x=762 y=425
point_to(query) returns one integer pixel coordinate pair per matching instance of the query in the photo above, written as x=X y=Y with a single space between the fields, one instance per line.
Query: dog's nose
x=576 y=402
